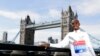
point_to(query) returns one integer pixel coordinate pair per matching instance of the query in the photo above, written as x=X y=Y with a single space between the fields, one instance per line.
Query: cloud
x=33 y=15
x=16 y=15
x=88 y=7
x=19 y=14
x=8 y=14
x=92 y=29
x=54 y=13
x=51 y=15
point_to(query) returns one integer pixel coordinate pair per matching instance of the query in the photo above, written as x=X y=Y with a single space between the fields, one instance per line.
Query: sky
x=12 y=11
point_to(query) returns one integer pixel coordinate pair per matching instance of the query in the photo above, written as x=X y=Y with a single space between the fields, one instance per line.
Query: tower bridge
x=27 y=28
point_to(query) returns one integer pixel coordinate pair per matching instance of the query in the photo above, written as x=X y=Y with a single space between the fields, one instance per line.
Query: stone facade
x=66 y=17
x=26 y=35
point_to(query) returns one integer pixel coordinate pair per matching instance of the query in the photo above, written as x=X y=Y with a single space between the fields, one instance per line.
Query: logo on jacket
x=79 y=46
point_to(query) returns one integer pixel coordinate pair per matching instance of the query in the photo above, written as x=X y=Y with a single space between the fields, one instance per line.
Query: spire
x=70 y=9
x=62 y=12
x=28 y=20
x=21 y=20
x=76 y=16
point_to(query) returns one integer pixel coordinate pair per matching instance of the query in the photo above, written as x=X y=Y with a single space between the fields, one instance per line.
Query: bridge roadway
x=53 y=24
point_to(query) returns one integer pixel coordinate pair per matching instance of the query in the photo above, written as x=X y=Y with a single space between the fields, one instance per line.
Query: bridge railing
x=31 y=48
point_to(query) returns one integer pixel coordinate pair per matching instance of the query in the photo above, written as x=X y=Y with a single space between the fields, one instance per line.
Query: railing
x=31 y=48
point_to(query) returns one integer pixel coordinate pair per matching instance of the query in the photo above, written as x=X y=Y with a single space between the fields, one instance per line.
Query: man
x=77 y=41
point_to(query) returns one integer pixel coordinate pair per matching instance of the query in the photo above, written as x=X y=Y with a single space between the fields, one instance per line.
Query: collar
x=76 y=31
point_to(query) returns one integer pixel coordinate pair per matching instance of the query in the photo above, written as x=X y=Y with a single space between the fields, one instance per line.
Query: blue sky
x=11 y=11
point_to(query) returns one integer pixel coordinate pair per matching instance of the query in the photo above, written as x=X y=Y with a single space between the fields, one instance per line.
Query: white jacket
x=78 y=42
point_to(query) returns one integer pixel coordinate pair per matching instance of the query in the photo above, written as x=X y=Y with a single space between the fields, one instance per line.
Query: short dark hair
x=74 y=21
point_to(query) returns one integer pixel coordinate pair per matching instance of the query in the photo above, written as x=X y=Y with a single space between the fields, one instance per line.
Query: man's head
x=75 y=24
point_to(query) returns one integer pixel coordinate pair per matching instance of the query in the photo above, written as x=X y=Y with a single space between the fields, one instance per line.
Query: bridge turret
x=70 y=9
x=26 y=35
x=76 y=15
x=28 y=20
x=67 y=16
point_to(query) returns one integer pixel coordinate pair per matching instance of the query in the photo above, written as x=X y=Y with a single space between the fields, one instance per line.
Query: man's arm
x=63 y=43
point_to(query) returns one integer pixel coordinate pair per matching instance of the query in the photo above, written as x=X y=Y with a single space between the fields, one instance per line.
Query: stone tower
x=66 y=27
x=67 y=17
x=26 y=35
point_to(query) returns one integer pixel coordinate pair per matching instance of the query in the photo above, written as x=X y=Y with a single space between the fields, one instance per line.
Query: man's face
x=75 y=24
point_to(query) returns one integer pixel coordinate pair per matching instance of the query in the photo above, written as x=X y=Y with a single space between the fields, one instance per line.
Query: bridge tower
x=66 y=17
x=26 y=35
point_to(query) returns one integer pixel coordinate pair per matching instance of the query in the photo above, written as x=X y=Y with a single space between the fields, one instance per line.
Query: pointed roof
x=76 y=16
x=28 y=20
x=21 y=20
x=62 y=12
x=70 y=9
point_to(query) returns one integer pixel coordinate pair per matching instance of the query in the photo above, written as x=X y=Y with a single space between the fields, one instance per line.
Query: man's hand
x=45 y=44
